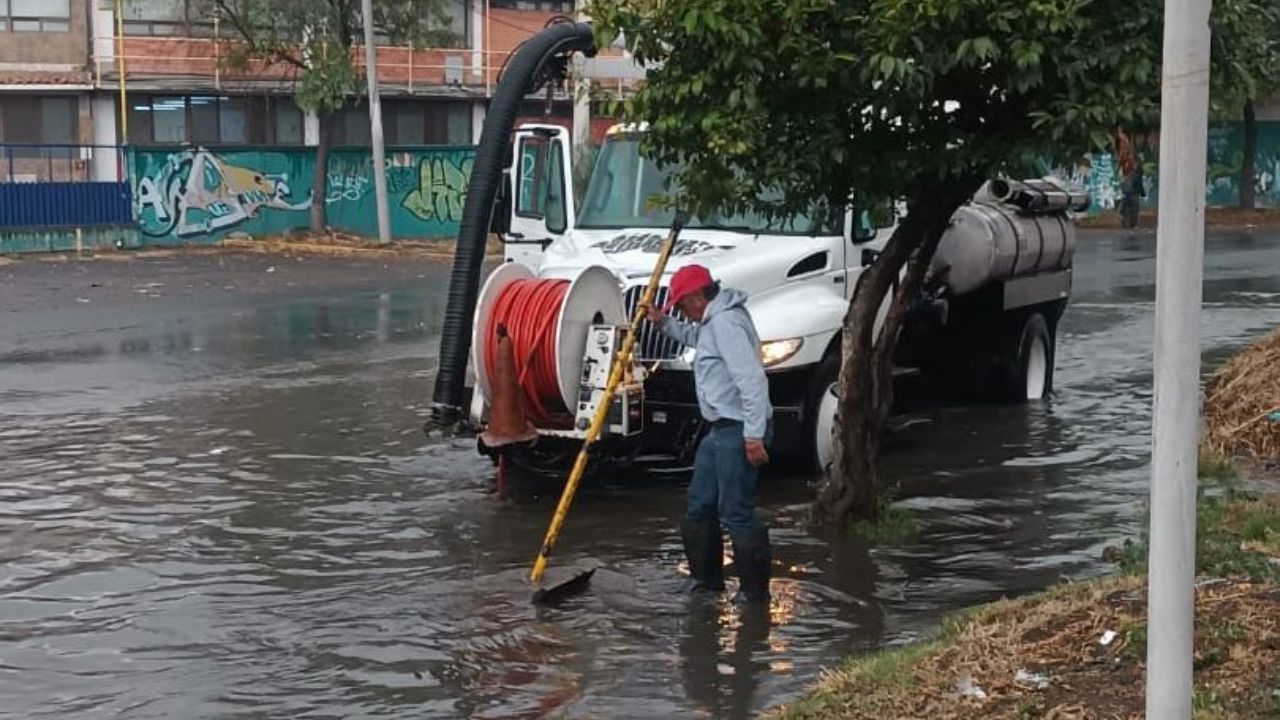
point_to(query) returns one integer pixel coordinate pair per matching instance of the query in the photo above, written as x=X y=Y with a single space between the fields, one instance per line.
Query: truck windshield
x=622 y=184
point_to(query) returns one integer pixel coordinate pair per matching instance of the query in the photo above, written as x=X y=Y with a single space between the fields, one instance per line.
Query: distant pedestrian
x=1132 y=185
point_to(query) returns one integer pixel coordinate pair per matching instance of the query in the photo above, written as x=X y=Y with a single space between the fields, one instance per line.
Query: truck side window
x=554 y=206
x=864 y=227
x=867 y=220
x=531 y=193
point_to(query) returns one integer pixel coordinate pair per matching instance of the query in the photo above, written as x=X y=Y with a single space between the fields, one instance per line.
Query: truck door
x=864 y=238
x=540 y=188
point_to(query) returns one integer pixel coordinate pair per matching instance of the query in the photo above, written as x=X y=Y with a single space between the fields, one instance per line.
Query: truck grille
x=652 y=345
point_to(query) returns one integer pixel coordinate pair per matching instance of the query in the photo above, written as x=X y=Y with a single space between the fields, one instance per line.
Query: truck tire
x=820 y=413
x=1025 y=370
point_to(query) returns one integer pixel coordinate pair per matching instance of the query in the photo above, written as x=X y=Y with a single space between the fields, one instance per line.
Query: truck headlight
x=777 y=352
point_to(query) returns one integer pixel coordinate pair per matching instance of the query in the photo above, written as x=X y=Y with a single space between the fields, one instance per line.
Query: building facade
x=62 y=63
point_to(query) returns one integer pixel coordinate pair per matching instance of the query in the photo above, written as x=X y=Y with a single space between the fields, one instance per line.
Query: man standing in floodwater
x=733 y=397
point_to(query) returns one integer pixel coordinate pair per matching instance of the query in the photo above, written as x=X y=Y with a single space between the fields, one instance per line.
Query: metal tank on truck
x=574 y=273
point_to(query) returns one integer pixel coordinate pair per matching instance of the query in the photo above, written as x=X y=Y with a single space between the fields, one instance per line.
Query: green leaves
x=1245 y=52
x=975 y=50
x=820 y=98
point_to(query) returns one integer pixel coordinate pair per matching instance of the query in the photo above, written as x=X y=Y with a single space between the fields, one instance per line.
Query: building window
x=556 y=6
x=407 y=122
x=52 y=16
x=38 y=137
x=350 y=126
x=449 y=29
x=25 y=119
x=183 y=18
x=213 y=120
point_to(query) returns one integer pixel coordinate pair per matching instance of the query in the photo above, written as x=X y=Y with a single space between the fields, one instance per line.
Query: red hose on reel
x=528 y=309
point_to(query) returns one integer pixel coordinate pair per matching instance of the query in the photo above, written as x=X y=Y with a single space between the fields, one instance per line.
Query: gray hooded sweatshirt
x=728 y=371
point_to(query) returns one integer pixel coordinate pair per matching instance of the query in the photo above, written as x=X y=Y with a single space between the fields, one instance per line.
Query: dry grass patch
x=1043 y=656
x=1242 y=403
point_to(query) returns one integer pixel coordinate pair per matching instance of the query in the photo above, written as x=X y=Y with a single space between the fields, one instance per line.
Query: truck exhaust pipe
x=1038 y=197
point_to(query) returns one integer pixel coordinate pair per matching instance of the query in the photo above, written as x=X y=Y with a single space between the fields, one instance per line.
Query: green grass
x=1219 y=469
x=1226 y=518
x=1206 y=705
x=886 y=669
x=893 y=525
x=1260 y=525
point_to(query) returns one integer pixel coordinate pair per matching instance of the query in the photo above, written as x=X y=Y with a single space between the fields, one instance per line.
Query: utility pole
x=375 y=126
x=1184 y=114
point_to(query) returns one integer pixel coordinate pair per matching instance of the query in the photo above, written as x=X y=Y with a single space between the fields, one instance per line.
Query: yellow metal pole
x=120 y=61
x=602 y=410
x=217 y=54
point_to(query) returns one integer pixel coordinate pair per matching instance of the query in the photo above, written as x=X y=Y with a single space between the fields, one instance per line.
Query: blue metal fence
x=76 y=204
x=63 y=186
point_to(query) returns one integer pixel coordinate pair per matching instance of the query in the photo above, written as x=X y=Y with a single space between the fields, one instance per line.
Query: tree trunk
x=866 y=360
x=1247 y=199
x=319 y=183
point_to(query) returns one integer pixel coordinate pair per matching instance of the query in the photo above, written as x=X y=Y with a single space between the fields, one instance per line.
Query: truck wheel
x=820 y=413
x=1026 y=372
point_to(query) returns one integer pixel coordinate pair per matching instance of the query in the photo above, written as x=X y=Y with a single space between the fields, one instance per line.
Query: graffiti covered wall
x=185 y=195
x=1098 y=174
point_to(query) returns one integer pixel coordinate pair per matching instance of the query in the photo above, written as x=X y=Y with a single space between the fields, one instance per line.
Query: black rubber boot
x=752 y=555
x=704 y=548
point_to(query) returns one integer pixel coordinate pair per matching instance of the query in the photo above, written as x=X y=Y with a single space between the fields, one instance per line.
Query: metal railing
x=56 y=185
x=204 y=57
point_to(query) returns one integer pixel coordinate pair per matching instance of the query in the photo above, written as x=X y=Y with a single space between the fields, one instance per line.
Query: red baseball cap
x=687 y=280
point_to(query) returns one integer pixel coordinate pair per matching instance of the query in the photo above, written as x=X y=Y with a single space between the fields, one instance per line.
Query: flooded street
x=216 y=501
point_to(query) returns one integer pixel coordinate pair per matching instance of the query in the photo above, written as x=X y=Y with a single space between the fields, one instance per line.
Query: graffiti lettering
x=441 y=190
x=401 y=179
x=649 y=243
x=346 y=187
x=197 y=192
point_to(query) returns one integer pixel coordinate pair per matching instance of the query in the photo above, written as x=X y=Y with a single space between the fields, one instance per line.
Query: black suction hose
x=517 y=80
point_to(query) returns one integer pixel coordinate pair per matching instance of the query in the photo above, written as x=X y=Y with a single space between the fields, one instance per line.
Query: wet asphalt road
x=216 y=501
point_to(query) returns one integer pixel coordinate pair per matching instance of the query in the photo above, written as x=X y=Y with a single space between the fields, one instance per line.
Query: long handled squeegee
x=620 y=363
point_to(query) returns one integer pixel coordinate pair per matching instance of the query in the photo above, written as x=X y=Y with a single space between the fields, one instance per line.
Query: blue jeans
x=724 y=482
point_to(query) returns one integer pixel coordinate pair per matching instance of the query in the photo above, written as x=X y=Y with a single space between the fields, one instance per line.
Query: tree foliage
x=1245 y=53
x=821 y=98
x=879 y=100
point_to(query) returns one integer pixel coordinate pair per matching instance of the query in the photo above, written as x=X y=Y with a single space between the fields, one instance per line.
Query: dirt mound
x=1242 y=403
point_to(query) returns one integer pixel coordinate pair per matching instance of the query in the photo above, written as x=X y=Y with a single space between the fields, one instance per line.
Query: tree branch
x=270 y=52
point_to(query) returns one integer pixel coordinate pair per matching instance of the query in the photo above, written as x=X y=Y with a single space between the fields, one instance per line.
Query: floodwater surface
x=217 y=501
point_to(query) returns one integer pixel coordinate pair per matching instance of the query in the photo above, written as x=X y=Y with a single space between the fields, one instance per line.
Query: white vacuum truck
x=574 y=272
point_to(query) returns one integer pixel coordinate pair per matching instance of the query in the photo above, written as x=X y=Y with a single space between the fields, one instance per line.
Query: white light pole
x=375 y=126
x=1184 y=114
